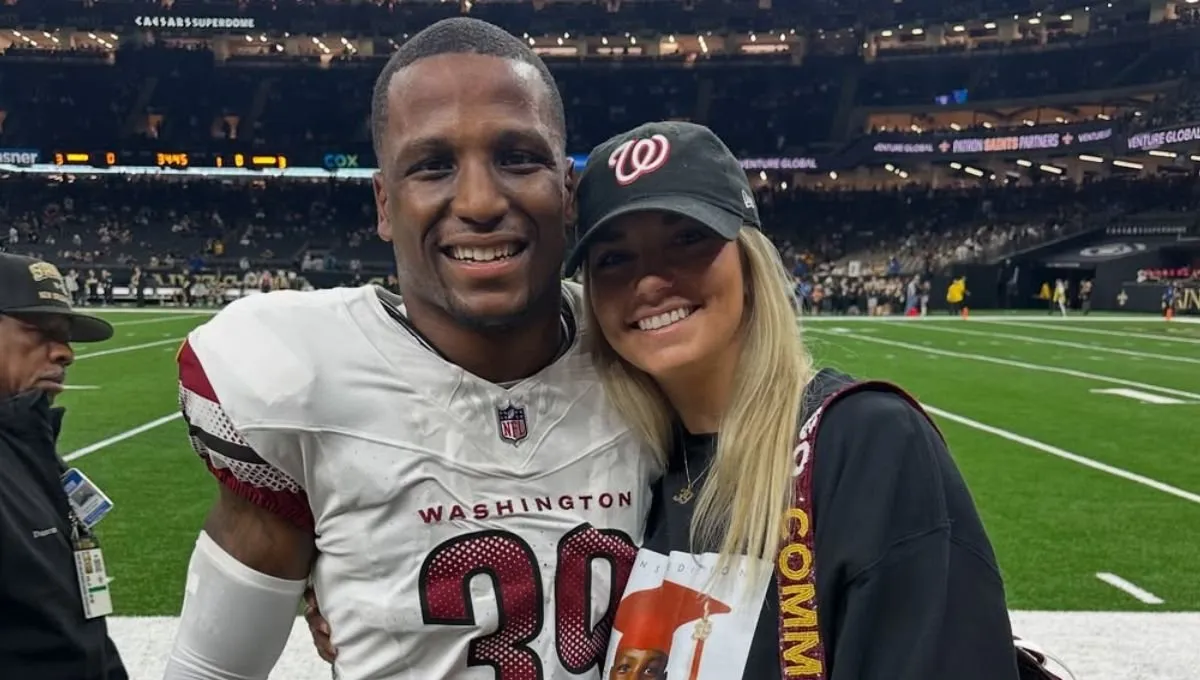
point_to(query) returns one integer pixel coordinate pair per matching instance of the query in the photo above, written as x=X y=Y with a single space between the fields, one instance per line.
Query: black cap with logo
x=29 y=286
x=673 y=167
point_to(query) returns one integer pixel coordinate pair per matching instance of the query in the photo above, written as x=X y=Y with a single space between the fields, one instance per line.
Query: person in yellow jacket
x=956 y=293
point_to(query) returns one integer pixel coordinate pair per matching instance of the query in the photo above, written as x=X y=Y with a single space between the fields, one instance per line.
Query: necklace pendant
x=684 y=496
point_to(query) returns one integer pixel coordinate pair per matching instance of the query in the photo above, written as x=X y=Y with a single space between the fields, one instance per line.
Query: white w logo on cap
x=637 y=157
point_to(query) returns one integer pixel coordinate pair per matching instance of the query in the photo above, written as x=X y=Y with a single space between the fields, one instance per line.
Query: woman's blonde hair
x=741 y=505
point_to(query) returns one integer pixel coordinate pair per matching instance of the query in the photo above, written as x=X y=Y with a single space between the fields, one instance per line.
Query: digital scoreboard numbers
x=242 y=161
x=165 y=159
x=250 y=161
x=95 y=159
x=170 y=159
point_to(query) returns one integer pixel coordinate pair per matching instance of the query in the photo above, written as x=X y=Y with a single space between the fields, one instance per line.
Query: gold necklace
x=686 y=494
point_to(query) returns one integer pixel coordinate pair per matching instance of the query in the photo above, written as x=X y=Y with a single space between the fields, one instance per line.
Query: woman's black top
x=907 y=586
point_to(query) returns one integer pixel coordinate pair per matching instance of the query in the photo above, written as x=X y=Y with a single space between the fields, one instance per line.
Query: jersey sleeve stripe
x=226 y=452
x=191 y=373
x=207 y=421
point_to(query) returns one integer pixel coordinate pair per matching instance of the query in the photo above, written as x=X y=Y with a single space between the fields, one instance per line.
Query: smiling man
x=446 y=469
x=48 y=630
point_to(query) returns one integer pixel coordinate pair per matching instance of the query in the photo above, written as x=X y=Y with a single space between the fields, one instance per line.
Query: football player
x=445 y=469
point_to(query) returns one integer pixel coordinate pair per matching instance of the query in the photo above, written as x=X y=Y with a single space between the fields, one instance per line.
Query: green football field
x=1079 y=438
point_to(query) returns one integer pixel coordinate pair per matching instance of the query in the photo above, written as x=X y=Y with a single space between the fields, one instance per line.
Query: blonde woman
x=806 y=526
x=884 y=569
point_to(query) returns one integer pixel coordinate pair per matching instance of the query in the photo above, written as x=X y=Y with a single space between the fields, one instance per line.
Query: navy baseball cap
x=29 y=286
x=674 y=167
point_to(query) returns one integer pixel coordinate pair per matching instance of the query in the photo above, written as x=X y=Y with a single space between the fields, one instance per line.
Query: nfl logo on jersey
x=512 y=424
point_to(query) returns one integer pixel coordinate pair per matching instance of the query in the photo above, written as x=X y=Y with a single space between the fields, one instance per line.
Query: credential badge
x=513 y=426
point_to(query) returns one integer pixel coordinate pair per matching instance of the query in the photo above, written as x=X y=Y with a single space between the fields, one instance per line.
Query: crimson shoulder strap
x=801 y=649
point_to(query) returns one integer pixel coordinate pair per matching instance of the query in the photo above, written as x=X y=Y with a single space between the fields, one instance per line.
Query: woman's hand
x=318 y=627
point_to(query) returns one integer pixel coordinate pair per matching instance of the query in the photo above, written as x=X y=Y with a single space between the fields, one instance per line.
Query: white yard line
x=127 y=434
x=942 y=316
x=159 y=319
x=1066 y=455
x=1092 y=331
x=1064 y=343
x=129 y=348
x=1138 y=593
x=1014 y=364
x=176 y=311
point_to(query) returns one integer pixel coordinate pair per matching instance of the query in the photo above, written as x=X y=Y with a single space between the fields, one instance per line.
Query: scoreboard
x=179 y=160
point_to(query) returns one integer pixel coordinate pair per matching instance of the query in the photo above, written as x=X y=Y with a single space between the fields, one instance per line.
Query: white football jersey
x=465 y=530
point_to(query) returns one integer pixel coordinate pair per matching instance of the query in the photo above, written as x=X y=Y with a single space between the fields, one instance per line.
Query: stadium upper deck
x=385 y=16
x=148 y=90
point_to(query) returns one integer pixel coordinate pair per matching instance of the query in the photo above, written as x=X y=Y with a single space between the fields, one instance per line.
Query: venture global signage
x=1179 y=134
x=962 y=144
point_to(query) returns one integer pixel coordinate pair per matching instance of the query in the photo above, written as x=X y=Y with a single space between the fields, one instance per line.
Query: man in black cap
x=53 y=585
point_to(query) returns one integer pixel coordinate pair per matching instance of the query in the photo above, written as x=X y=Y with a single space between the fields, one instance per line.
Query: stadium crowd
x=844 y=247
x=160 y=94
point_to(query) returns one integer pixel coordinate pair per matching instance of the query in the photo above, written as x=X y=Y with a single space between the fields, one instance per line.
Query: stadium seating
x=148 y=95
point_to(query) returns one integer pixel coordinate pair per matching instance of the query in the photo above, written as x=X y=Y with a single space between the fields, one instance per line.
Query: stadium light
x=1128 y=164
x=1162 y=154
x=1089 y=158
x=1195 y=158
x=1050 y=169
x=1066 y=17
x=973 y=171
x=1024 y=163
x=956 y=165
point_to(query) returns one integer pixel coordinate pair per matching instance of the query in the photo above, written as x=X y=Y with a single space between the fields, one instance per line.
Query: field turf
x=1079 y=438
